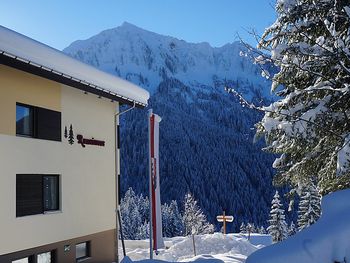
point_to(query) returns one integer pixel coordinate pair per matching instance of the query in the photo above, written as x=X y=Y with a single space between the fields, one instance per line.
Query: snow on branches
x=278 y=227
x=309 y=125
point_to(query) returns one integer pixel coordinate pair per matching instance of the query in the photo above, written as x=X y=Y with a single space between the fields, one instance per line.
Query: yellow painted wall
x=87 y=176
x=19 y=86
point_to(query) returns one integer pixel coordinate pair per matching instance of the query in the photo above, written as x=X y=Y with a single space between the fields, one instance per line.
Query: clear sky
x=60 y=22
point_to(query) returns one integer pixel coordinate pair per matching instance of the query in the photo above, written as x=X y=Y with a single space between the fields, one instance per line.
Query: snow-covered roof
x=33 y=53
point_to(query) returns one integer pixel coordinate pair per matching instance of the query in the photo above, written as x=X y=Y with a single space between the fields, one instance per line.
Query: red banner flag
x=156 y=216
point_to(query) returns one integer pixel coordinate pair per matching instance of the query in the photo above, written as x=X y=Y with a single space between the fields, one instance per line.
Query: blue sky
x=58 y=23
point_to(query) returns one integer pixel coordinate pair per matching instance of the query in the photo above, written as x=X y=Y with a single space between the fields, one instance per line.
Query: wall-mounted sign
x=83 y=141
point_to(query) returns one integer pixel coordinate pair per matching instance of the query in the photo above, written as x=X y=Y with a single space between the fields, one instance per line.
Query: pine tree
x=71 y=135
x=242 y=228
x=278 y=225
x=262 y=230
x=309 y=125
x=143 y=231
x=176 y=223
x=65 y=132
x=292 y=229
x=194 y=220
x=309 y=206
x=131 y=220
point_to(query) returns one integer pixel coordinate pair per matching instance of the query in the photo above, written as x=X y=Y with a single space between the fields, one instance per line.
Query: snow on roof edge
x=27 y=49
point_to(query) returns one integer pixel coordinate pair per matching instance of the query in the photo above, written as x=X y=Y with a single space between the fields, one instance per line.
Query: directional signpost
x=224 y=218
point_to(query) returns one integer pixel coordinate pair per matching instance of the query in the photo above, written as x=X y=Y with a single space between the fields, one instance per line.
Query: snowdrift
x=213 y=248
x=328 y=240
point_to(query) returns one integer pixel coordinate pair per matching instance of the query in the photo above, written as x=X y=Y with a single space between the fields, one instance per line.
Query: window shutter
x=48 y=124
x=29 y=195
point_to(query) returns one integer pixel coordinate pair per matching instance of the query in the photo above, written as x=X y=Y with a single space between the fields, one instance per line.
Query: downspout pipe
x=117 y=181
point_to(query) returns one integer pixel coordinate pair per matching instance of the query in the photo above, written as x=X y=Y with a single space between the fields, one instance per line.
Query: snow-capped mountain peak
x=147 y=58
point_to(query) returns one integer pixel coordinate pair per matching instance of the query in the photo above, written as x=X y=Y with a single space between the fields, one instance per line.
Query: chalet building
x=59 y=162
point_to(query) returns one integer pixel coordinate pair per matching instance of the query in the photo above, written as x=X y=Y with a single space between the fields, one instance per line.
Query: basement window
x=82 y=251
x=47 y=257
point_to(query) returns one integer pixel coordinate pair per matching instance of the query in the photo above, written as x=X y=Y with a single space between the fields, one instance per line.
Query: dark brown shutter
x=48 y=124
x=29 y=194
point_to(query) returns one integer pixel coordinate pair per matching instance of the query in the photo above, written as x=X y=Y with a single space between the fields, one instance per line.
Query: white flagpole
x=150 y=113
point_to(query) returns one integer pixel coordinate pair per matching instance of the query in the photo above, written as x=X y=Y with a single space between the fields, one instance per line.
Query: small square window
x=82 y=250
x=46 y=257
x=24 y=120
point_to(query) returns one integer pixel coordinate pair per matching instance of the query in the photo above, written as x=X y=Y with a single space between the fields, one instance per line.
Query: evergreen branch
x=263 y=109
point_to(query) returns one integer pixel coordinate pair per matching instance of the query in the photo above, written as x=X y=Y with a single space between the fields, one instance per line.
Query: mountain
x=206 y=136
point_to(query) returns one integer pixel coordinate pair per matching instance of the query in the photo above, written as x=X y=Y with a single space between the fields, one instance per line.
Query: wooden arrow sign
x=227 y=218
x=224 y=218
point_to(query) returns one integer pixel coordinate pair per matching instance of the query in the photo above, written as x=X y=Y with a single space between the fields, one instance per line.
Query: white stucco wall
x=87 y=176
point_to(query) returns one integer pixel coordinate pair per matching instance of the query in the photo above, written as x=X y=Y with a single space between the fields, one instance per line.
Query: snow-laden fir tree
x=292 y=229
x=143 y=231
x=242 y=228
x=278 y=226
x=195 y=222
x=262 y=230
x=131 y=219
x=310 y=125
x=309 y=206
x=172 y=220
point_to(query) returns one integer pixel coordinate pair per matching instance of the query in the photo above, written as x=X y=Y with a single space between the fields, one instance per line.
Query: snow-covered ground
x=232 y=248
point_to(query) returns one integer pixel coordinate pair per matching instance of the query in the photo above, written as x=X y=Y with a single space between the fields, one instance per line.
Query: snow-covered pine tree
x=309 y=206
x=143 y=206
x=143 y=231
x=262 y=230
x=172 y=220
x=130 y=215
x=309 y=125
x=253 y=229
x=176 y=223
x=193 y=218
x=166 y=217
x=242 y=228
x=292 y=229
x=278 y=226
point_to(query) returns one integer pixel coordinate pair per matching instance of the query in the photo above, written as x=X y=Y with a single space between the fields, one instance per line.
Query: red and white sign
x=156 y=224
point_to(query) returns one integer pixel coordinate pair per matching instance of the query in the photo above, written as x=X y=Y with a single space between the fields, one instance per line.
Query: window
x=36 y=194
x=82 y=251
x=38 y=122
x=47 y=257
x=24 y=120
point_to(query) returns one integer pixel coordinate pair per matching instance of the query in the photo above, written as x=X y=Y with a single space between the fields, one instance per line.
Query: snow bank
x=325 y=241
x=232 y=248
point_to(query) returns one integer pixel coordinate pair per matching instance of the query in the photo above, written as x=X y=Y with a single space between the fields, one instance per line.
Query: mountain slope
x=206 y=135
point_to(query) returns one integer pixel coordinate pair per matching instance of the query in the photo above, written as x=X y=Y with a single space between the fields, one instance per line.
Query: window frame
x=88 y=251
x=36 y=119
x=32 y=111
x=43 y=210
x=52 y=255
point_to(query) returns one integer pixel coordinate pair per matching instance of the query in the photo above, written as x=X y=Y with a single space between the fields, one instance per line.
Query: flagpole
x=150 y=187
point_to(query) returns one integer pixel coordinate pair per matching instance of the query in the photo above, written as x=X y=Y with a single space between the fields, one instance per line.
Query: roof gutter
x=49 y=73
